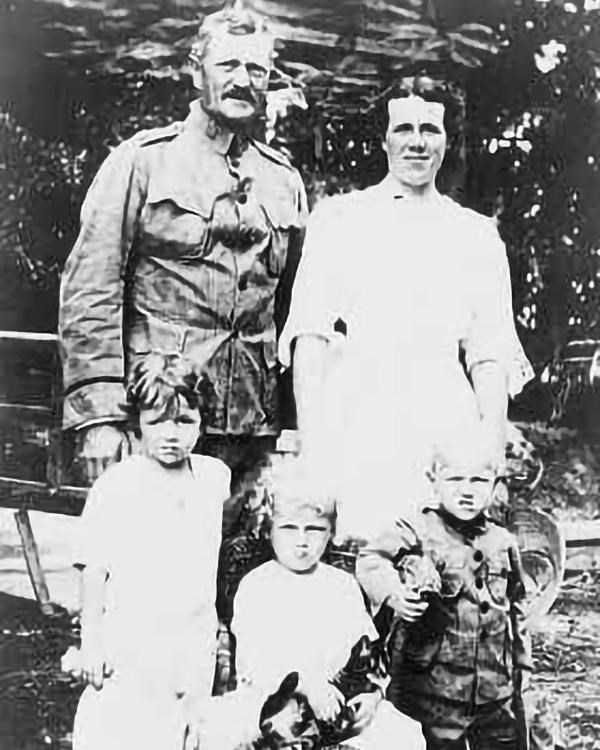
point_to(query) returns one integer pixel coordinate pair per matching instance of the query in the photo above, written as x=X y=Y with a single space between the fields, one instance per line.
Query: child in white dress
x=150 y=536
x=296 y=615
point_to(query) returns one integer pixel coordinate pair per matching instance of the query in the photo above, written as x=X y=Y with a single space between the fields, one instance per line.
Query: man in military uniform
x=190 y=238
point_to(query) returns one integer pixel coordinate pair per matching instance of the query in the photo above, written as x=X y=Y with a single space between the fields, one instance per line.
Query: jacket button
x=243 y=198
x=478 y=555
x=479 y=583
x=484 y=607
x=235 y=163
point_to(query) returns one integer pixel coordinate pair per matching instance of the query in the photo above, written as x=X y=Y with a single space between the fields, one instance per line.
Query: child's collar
x=468 y=529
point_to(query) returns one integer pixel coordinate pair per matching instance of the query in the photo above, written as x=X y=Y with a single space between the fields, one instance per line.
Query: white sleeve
x=318 y=293
x=355 y=622
x=492 y=335
x=97 y=526
x=253 y=655
x=223 y=482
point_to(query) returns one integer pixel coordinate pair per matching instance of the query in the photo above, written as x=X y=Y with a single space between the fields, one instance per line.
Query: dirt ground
x=37 y=700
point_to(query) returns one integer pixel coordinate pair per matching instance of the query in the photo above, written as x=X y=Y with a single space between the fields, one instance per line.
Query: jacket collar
x=206 y=131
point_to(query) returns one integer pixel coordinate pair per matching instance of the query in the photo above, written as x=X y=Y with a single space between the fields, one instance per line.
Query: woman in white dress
x=423 y=288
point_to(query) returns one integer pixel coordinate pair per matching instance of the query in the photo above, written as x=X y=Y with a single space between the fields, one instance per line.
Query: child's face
x=299 y=539
x=169 y=438
x=464 y=491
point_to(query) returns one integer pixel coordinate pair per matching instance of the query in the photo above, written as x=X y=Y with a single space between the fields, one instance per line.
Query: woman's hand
x=193 y=711
x=364 y=706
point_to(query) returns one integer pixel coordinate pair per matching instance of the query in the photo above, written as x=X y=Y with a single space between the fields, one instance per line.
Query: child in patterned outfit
x=295 y=615
x=462 y=662
x=150 y=535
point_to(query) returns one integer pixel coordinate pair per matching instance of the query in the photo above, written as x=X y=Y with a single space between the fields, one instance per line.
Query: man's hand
x=91 y=666
x=364 y=706
x=102 y=445
x=407 y=604
x=324 y=699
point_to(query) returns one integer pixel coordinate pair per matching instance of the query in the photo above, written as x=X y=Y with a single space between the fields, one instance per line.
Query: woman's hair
x=160 y=381
x=431 y=90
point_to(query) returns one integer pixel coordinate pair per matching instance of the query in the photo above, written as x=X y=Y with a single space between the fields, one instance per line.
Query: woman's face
x=415 y=141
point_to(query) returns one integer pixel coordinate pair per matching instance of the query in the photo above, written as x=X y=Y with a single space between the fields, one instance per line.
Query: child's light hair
x=295 y=491
x=468 y=450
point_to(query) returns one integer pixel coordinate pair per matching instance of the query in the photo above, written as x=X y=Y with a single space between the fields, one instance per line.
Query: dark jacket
x=471 y=641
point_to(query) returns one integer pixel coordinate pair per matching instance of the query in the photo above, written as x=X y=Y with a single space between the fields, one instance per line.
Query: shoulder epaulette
x=272 y=154
x=155 y=135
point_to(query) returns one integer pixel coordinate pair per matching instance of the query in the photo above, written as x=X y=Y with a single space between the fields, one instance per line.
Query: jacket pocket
x=173 y=224
x=284 y=219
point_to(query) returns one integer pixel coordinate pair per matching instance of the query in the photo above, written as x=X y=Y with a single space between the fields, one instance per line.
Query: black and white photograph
x=300 y=375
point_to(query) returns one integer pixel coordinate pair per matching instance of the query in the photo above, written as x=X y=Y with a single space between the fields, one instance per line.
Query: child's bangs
x=167 y=401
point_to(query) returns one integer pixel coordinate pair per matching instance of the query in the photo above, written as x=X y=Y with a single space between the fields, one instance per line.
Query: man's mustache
x=243 y=94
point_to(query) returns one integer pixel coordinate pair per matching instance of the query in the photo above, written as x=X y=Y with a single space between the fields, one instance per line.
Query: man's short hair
x=234 y=18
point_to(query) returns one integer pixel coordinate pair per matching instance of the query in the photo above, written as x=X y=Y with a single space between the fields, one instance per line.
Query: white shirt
x=287 y=622
x=159 y=543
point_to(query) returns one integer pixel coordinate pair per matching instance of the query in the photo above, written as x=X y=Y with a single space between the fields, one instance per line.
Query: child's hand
x=324 y=699
x=364 y=706
x=407 y=605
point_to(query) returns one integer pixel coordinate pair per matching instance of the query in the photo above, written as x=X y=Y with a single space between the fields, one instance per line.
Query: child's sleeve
x=516 y=591
x=253 y=650
x=359 y=621
x=375 y=570
x=96 y=527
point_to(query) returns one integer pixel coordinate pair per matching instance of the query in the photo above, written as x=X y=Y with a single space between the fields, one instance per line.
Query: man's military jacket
x=189 y=242
x=471 y=639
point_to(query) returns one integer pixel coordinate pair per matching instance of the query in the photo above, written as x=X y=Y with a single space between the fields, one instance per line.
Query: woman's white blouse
x=420 y=285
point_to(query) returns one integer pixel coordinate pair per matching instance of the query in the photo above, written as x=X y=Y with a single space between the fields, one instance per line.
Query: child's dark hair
x=160 y=381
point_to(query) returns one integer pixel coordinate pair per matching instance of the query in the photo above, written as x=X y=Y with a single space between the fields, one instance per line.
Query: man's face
x=169 y=438
x=299 y=539
x=465 y=491
x=415 y=141
x=234 y=76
